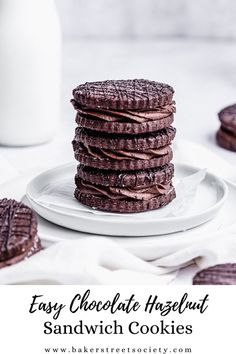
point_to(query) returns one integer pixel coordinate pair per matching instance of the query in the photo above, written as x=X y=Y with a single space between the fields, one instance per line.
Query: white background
x=203 y=74
x=148 y=18
x=188 y=44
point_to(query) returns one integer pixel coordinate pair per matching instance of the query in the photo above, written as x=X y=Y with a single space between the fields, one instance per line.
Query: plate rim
x=87 y=215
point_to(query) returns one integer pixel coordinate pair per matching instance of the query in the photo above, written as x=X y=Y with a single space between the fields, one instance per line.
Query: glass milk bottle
x=30 y=56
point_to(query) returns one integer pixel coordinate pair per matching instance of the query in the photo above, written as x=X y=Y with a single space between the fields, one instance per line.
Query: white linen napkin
x=92 y=260
x=98 y=260
x=219 y=249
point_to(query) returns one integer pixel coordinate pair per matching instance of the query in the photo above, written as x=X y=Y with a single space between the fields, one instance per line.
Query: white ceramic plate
x=210 y=197
x=144 y=247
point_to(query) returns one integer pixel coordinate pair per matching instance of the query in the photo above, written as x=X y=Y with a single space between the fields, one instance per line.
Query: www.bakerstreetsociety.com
x=84 y=349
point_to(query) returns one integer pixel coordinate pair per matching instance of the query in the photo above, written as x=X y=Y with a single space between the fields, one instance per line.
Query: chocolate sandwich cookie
x=125 y=127
x=124 y=199
x=227 y=117
x=122 y=160
x=125 y=122
x=226 y=135
x=123 y=95
x=226 y=139
x=221 y=274
x=139 y=142
x=18 y=232
x=145 y=178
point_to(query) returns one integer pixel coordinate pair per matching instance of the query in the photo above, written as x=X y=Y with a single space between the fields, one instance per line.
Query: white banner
x=105 y=319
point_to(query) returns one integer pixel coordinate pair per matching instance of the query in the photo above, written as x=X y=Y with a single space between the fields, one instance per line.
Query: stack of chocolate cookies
x=122 y=142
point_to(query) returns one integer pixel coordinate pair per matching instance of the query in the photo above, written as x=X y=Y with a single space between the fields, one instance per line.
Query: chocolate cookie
x=125 y=122
x=226 y=135
x=18 y=232
x=121 y=159
x=141 y=178
x=124 y=127
x=221 y=274
x=124 y=200
x=123 y=94
x=226 y=139
x=227 y=118
x=139 y=142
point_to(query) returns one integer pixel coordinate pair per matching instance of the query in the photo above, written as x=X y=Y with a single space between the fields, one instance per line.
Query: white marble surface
x=203 y=75
x=148 y=18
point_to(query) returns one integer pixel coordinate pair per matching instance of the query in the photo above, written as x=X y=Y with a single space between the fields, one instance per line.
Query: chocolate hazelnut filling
x=100 y=153
x=126 y=116
x=118 y=193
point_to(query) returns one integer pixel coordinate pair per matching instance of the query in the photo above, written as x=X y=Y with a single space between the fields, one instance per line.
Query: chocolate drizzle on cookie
x=18 y=232
x=220 y=274
x=123 y=94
